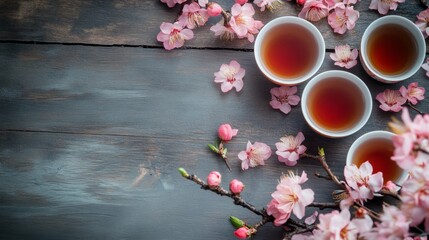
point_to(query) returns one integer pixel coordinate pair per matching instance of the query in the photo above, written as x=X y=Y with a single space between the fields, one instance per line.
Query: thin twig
x=322 y=176
x=414 y=108
x=391 y=194
x=322 y=160
x=222 y=192
x=322 y=206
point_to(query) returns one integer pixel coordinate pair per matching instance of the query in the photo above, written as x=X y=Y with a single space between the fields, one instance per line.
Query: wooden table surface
x=96 y=117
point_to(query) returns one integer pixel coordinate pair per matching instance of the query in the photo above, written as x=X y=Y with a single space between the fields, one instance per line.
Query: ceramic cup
x=372 y=144
x=336 y=103
x=289 y=50
x=376 y=55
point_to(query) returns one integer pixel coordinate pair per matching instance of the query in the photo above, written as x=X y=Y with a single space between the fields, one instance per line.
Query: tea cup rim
x=291 y=20
x=349 y=77
x=377 y=134
x=417 y=35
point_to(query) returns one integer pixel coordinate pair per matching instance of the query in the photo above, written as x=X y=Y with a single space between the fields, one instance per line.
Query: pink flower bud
x=236 y=186
x=226 y=132
x=242 y=233
x=241 y=2
x=214 y=9
x=391 y=187
x=214 y=179
x=300 y=2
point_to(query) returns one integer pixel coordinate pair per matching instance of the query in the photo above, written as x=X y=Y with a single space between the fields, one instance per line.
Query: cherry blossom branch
x=222 y=192
x=322 y=159
x=414 y=108
x=322 y=206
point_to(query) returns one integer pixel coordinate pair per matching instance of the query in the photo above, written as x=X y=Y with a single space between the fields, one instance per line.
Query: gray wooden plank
x=79 y=122
x=133 y=22
x=64 y=186
x=144 y=92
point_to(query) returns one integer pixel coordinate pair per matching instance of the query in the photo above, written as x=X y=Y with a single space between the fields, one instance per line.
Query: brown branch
x=414 y=108
x=322 y=176
x=222 y=192
x=322 y=206
x=322 y=159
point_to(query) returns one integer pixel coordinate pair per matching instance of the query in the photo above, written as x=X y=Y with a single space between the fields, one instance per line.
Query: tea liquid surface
x=392 y=49
x=378 y=152
x=289 y=50
x=336 y=104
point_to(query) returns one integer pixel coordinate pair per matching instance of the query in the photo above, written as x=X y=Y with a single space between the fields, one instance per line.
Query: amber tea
x=378 y=152
x=392 y=49
x=336 y=104
x=289 y=51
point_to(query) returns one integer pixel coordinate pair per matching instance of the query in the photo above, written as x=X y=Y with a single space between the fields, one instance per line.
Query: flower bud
x=214 y=179
x=214 y=9
x=391 y=187
x=236 y=222
x=236 y=186
x=300 y=2
x=183 y=172
x=242 y=233
x=226 y=132
x=241 y=2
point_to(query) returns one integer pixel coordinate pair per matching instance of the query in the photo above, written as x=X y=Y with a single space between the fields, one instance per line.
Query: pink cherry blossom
x=413 y=93
x=314 y=10
x=411 y=135
x=270 y=4
x=391 y=187
x=193 y=16
x=236 y=186
x=173 y=35
x=343 y=18
x=254 y=155
x=230 y=76
x=289 y=198
x=337 y=226
x=344 y=56
x=226 y=132
x=214 y=9
x=203 y=3
x=363 y=184
x=383 y=6
x=425 y=66
x=214 y=179
x=415 y=196
x=242 y=233
x=283 y=97
x=391 y=100
x=225 y=32
x=241 y=2
x=393 y=224
x=171 y=3
x=331 y=3
x=312 y=218
x=422 y=22
x=290 y=149
x=242 y=21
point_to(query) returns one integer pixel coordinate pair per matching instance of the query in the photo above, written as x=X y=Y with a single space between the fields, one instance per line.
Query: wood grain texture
x=91 y=137
x=131 y=22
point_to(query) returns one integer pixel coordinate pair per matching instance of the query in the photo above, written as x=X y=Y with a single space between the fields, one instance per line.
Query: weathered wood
x=63 y=186
x=80 y=124
x=131 y=22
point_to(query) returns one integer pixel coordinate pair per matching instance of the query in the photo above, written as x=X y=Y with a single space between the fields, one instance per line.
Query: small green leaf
x=321 y=152
x=236 y=222
x=183 y=172
x=213 y=148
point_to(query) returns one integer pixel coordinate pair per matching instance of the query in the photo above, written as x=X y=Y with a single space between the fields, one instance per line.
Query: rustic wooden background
x=96 y=117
